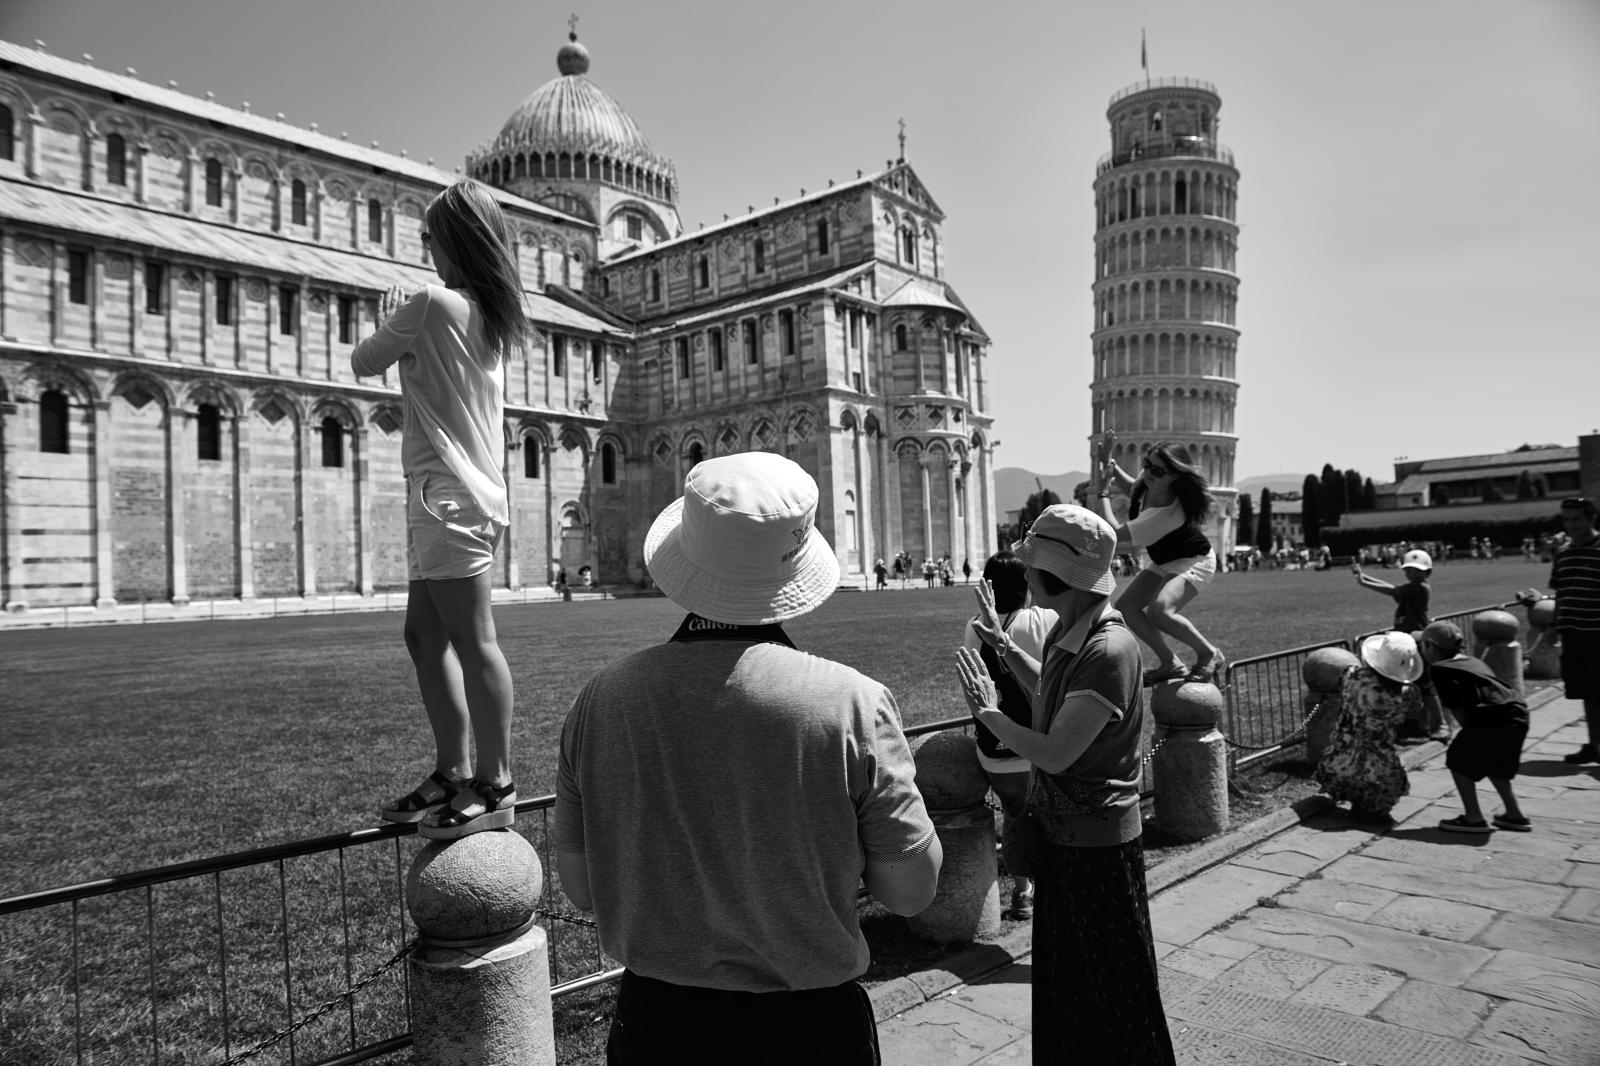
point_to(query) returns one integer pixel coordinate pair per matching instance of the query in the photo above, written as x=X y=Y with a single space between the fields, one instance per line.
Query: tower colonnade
x=1165 y=339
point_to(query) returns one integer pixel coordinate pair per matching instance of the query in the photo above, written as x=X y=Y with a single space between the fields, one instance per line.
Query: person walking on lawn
x=450 y=342
x=720 y=797
x=1494 y=725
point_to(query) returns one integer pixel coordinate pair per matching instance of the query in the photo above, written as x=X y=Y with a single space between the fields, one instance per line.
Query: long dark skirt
x=1096 y=995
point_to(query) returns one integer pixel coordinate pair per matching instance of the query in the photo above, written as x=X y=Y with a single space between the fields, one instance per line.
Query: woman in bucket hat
x=1096 y=992
x=1361 y=764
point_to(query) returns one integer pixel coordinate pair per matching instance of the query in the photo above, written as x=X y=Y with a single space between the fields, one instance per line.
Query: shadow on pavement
x=1435 y=835
x=1019 y=974
x=1557 y=768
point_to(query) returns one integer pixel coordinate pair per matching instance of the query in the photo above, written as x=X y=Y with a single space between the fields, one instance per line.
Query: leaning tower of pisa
x=1166 y=284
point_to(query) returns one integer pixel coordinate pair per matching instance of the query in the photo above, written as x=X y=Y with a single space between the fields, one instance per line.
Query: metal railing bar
x=585 y=982
x=232 y=861
x=77 y=990
x=370 y=1052
x=222 y=958
x=936 y=727
x=150 y=953
x=349 y=975
x=400 y=910
x=288 y=971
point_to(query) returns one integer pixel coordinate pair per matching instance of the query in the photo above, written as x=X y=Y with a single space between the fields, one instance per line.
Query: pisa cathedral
x=181 y=284
x=1166 y=285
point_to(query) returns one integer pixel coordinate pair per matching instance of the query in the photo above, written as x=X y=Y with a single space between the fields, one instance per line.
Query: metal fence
x=1266 y=693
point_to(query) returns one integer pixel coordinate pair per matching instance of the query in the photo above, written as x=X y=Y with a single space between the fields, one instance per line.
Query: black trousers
x=669 y=1024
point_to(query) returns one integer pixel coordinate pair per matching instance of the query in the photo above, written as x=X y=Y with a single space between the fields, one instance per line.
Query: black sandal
x=435 y=791
x=478 y=806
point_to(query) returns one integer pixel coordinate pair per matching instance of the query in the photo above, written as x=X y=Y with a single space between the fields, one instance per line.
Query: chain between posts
x=1305 y=723
x=326 y=1006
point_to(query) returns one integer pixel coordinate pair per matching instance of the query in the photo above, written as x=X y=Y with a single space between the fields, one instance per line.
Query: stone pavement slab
x=1544 y=1035
x=1198 y=1044
x=1272 y=972
x=1457 y=851
x=1584 y=906
x=1541 y=981
x=1186 y=912
x=1349 y=988
x=1435 y=1009
x=1305 y=848
x=1341 y=940
x=1482 y=889
x=1435 y=917
x=946 y=1033
x=1330 y=895
x=1552 y=937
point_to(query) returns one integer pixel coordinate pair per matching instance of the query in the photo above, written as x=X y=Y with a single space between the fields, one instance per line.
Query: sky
x=1419 y=205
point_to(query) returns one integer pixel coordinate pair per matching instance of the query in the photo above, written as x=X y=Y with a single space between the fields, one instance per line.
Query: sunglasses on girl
x=1155 y=470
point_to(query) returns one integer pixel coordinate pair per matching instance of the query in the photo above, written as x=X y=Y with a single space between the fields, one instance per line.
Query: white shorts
x=1197 y=571
x=448 y=536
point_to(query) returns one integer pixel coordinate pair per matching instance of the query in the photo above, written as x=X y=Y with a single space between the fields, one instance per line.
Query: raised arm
x=400 y=319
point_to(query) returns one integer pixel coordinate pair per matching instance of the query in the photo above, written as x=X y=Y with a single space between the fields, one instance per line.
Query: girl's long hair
x=1190 y=486
x=1009 y=576
x=469 y=227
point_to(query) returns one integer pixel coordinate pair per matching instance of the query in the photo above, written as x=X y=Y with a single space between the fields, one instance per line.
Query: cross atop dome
x=573 y=57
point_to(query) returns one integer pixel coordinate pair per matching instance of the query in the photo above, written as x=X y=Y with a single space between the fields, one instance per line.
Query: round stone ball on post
x=1191 y=762
x=1544 y=644
x=1496 y=634
x=480 y=976
x=966 y=905
x=1323 y=672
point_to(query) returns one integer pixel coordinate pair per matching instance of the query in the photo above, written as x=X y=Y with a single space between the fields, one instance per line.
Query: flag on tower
x=1144 y=55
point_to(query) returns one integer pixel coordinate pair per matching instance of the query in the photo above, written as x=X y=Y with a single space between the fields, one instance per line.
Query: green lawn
x=139 y=746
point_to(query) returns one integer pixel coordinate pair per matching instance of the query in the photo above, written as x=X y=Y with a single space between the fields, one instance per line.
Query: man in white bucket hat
x=721 y=797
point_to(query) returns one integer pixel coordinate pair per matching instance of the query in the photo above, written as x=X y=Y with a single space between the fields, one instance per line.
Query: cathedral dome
x=571 y=128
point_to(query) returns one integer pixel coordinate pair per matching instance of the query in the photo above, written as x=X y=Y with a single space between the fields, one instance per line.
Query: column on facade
x=925 y=463
x=58 y=295
x=548 y=449
x=36 y=120
x=208 y=299
x=867 y=546
x=509 y=538
x=190 y=176
x=141 y=178
x=363 y=484
x=136 y=306
x=243 y=512
x=958 y=540
x=10 y=533
x=235 y=179
x=316 y=214
x=179 y=435
x=96 y=325
x=302 y=513
x=104 y=588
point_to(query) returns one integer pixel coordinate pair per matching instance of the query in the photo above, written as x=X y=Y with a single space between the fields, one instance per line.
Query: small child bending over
x=1494 y=724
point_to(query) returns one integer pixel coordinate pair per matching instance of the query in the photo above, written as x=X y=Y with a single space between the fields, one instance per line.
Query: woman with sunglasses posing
x=450 y=342
x=1170 y=503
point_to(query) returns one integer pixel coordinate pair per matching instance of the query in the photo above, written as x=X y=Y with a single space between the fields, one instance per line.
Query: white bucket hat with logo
x=741 y=544
x=1394 y=655
x=1074 y=544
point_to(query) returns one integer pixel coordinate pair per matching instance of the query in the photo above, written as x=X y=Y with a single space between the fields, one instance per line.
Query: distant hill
x=1013 y=485
x=1275 y=482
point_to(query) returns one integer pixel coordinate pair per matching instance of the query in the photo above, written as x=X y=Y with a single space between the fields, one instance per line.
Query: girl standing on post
x=1171 y=500
x=449 y=341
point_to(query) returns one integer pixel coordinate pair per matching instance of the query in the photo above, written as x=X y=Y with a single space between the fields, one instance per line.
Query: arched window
x=908 y=245
x=8 y=136
x=697 y=453
x=332 y=442
x=655 y=285
x=116 y=160
x=530 y=452
x=822 y=236
x=53 y=422
x=705 y=272
x=208 y=433
x=608 y=463
x=214 y=182
x=900 y=337
x=374 y=221
x=761 y=255
x=297 y=202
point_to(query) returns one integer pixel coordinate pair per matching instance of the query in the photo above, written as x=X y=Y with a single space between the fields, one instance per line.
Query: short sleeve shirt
x=1575 y=579
x=684 y=771
x=1411 y=606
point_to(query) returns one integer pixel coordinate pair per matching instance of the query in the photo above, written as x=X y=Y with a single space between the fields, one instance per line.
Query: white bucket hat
x=1394 y=655
x=741 y=544
x=1417 y=559
x=1074 y=544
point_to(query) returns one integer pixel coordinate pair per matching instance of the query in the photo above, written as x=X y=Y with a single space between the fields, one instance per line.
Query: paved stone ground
x=1332 y=943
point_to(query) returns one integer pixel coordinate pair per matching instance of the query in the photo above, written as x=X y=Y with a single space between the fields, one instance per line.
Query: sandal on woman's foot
x=435 y=791
x=1463 y=824
x=1208 y=672
x=1162 y=674
x=478 y=806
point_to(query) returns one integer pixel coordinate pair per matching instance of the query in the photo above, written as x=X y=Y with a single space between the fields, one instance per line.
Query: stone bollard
x=1191 y=764
x=953 y=785
x=1323 y=673
x=1544 y=651
x=480 y=976
x=1496 y=635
